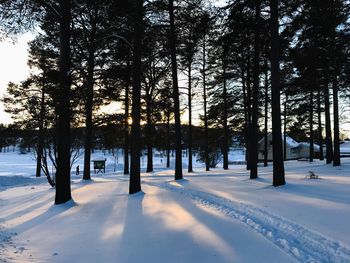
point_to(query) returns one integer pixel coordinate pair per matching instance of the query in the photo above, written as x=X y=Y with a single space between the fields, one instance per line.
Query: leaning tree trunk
x=176 y=94
x=336 y=161
x=278 y=165
x=190 y=168
x=63 y=190
x=328 y=139
x=254 y=127
x=135 y=179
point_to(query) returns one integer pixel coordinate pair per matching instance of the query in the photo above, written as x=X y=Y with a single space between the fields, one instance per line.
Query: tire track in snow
x=301 y=243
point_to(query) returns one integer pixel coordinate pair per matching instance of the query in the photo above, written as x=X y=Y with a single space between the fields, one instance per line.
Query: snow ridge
x=301 y=243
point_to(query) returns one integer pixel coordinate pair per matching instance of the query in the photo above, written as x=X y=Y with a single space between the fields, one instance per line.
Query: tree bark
x=135 y=179
x=176 y=94
x=256 y=70
x=206 y=142
x=190 y=168
x=126 y=128
x=278 y=165
x=311 y=124
x=63 y=189
x=336 y=161
x=88 y=108
x=285 y=130
x=149 y=135
x=249 y=112
x=225 y=140
x=40 y=146
x=168 y=141
x=328 y=139
x=320 y=136
x=266 y=113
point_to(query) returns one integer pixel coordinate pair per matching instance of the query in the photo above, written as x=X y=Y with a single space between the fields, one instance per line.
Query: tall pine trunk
x=225 y=139
x=320 y=136
x=126 y=128
x=255 y=110
x=278 y=165
x=336 y=161
x=176 y=94
x=135 y=179
x=63 y=189
x=40 y=145
x=266 y=114
x=328 y=139
x=190 y=168
x=206 y=136
x=168 y=140
x=311 y=124
x=249 y=112
x=149 y=137
x=285 y=130
x=88 y=110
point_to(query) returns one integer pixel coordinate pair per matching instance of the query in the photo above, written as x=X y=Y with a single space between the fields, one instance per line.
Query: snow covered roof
x=306 y=144
x=290 y=141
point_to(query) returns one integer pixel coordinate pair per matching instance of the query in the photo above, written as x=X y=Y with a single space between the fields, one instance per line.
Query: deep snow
x=216 y=216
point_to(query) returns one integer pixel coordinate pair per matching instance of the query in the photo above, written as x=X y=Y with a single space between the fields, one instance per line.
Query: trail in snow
x=303 y=244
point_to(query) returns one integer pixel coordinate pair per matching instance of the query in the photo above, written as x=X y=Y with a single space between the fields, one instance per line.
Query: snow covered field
x=216 y=216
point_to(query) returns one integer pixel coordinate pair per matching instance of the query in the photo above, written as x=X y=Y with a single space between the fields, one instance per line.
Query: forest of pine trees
x=242 y=69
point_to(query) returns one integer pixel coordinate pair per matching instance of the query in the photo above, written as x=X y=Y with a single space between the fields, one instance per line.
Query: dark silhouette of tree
x=278 y=165
x=178 y=141
x=63 y=190
x=138 y=14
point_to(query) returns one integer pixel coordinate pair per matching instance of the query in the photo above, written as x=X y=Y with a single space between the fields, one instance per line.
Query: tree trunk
x=336 y=161
x=249 y=108
x=328 y=139
x=311 y=124
x=63 y=190
x=149 y=136
x=126 y=129
x=190 y=168
x=254 y=127
x=278 y=165
x=320 y=136
x=40 y=146
x=88 y=109
x=176 y=94
x=135 y=179
x=206 y=142
x=266 y=113
x=225 y=140
x=168 y=141
x=285 y=130
x=246 y=107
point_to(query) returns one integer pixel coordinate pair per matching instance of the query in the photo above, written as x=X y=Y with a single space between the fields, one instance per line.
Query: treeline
x=249 y=67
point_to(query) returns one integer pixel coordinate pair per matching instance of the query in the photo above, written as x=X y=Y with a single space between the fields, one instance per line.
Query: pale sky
x=13 y=66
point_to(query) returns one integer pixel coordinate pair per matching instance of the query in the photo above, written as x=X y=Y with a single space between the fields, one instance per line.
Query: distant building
x=295 y=150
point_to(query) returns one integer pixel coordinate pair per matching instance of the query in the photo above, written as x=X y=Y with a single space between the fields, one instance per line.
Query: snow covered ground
x=216 y=216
